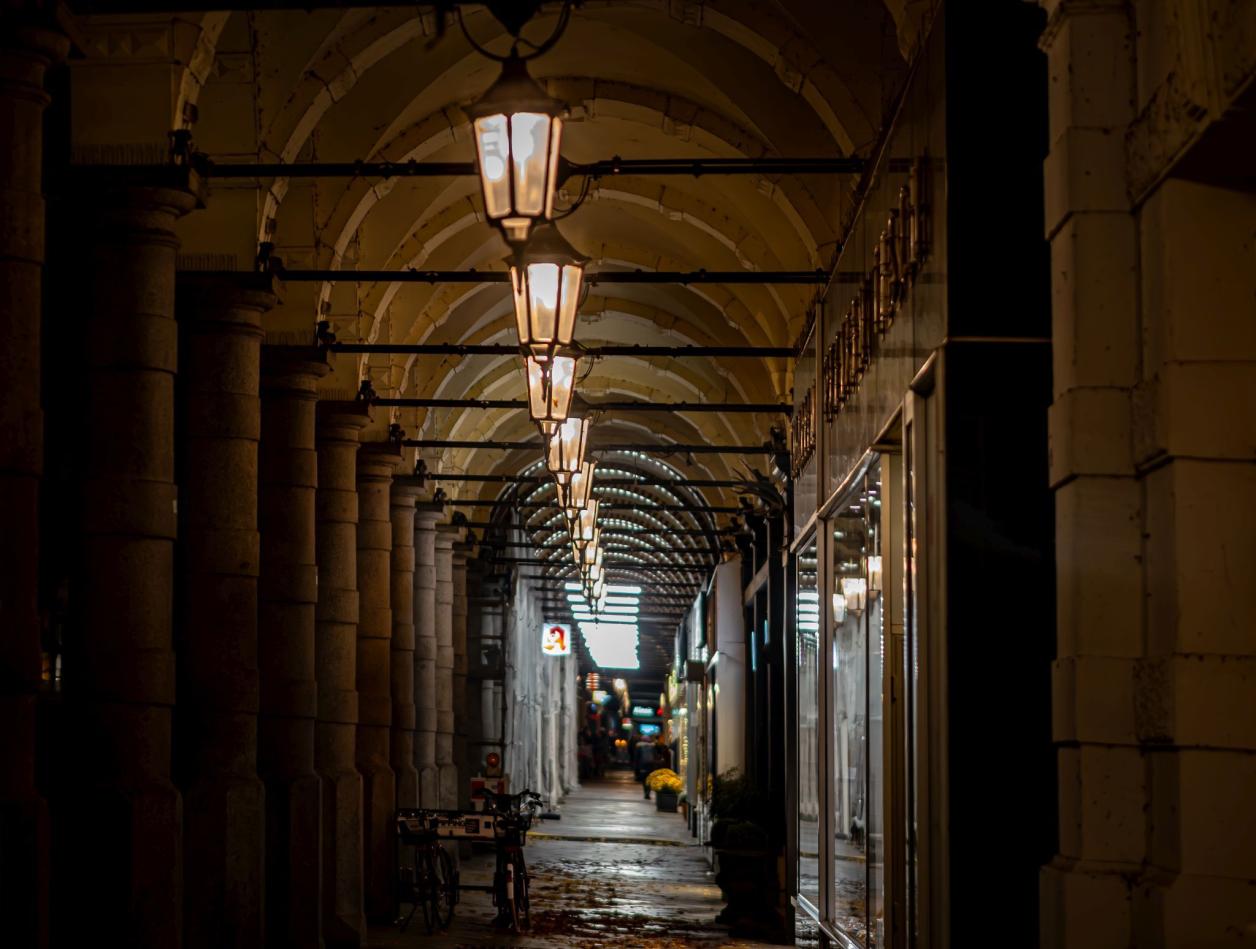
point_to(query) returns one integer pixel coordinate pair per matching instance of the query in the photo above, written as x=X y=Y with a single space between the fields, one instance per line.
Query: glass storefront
x=809 y=728
x=858 y=669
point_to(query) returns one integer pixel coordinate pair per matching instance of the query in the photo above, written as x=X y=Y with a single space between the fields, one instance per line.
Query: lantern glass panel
x=529 y=141
x=492 y=141
x=549 y=390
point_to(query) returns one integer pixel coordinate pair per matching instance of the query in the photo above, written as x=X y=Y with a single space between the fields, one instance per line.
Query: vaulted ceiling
x=643 y=79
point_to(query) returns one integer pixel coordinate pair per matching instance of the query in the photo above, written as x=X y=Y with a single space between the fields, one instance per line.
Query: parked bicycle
x=514 y=813
x=430 y=882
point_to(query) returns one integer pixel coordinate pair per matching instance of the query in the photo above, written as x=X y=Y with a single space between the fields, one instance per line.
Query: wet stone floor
x=613 y=872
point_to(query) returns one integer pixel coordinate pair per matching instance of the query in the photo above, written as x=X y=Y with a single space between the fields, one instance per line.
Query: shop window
x=858 y=673
x=807 y=613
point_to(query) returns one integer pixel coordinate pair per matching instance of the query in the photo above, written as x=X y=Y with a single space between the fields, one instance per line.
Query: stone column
x=216 y=642
x=425 y=518
x=401 y=662
x=448 y=787
x=287 y=593
x=1154 y=470
x=376 y=466
x=120 y=674
x=462 y=784
x=335 y=658
x=25 y=54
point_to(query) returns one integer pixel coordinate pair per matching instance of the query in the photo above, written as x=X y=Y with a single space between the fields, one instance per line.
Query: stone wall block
x=1084 y=172
x=1094 y=302
x=1099 y=567
x=1093 y=700
x=1198 y=284
x=1090 y=434
x=1201 y=554
x=1169 y=421
x=1088 y=65
x=1083 y=907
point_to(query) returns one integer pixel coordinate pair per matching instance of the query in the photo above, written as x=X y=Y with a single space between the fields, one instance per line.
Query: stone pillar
x=25 y=54
x=335 y=659
x=447 y=793
x=425 y=518
x=216 y=642
x=287 y=593
x=401 y=663
x=462 y=784
x=1154 y=469
x=376 y=466
x=119 y=679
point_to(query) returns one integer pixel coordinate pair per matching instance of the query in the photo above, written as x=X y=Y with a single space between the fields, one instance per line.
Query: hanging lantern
x=545 y=279
x=573 y=497
x=564 y=453
x=587 y=524
x=517 y=136
x=550 y=386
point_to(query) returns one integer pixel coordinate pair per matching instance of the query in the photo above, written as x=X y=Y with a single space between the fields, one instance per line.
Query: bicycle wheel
x=519 y=907
x=443 y=894
x=425 y=889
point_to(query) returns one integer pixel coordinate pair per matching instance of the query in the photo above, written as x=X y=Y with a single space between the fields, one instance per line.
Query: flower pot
x=667 y=800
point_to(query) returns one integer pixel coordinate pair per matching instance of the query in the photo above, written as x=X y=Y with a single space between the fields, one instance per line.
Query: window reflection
x=807 y=612
x=858 y=658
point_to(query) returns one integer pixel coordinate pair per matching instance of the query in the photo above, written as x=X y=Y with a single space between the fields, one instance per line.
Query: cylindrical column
x=376 y=466
x=401 y=662
x=448 y=793
x=425 y=518
x=461 y=774
x=216 y=642
x=335 y=659
x=119 y=676
x=287 y=593
x=25 y=54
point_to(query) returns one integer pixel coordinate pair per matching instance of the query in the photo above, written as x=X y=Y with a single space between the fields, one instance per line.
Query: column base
x=25 y=831
x=116 y=867
x=223 y=865
x=379 y=802
x=344 y=923
x=293 y=807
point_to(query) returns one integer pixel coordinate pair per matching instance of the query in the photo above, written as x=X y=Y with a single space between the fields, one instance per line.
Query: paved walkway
x=614 y=872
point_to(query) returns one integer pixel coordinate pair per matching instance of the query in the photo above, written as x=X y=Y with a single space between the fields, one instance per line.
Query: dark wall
x=1000 y=514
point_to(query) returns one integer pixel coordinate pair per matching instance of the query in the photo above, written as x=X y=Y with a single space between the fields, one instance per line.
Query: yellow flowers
x=665 y=779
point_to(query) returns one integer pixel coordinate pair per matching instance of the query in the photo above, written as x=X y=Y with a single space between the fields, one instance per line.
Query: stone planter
x=666 y=801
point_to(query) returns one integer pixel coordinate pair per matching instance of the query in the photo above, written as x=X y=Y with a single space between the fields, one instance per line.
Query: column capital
x=295 y=369
x=212 y=296
x=378 y=461
x=404 y=495
x=340 y=420
x=427 y=513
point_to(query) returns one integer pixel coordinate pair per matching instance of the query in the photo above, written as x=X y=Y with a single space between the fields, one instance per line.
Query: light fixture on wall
x=564 y=450
x=546 y=276
x=839 y=608
x=518 y=131
x=874 y=574
x=550 y=385
x=855 y=591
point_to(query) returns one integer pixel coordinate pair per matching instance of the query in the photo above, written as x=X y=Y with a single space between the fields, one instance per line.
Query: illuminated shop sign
x=556 y=639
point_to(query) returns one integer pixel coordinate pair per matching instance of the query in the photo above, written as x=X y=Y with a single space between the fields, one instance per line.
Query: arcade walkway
x=613 y=872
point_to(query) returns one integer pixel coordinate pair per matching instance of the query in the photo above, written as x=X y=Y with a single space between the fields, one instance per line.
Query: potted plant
x=666 y=785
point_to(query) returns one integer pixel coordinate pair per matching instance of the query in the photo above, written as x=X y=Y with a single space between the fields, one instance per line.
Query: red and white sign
x=556 y=639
